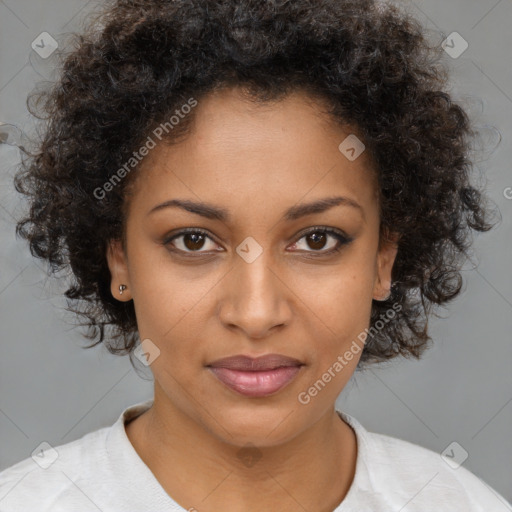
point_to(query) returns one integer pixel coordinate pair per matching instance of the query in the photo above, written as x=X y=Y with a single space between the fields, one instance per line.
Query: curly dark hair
x=140 y=60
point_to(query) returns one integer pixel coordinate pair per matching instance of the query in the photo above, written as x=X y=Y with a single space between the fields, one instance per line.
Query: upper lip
x=262 y=363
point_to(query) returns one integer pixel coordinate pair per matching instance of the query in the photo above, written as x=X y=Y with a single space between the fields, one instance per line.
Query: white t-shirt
x=102 y=472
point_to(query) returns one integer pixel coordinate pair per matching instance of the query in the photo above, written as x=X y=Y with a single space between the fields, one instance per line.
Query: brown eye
x=191 y=241
x=322 y=240
x=316 y=240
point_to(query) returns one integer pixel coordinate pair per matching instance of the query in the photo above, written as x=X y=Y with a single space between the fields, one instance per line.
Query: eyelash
x=338 y=235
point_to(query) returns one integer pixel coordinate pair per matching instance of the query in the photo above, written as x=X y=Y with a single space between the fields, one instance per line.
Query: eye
x=317 y=238
x=190 y=241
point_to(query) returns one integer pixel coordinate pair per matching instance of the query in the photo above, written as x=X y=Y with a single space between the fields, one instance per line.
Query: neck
x=312 y=471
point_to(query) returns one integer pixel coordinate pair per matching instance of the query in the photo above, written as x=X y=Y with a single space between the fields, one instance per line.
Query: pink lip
x=257 y=377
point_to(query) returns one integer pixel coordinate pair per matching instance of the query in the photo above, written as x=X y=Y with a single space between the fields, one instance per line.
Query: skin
x=255 y=162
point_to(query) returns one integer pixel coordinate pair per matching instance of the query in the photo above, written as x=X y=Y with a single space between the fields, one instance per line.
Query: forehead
x=277 y=151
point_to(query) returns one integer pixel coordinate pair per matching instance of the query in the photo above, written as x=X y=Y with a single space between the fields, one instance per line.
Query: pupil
x=195 y=237
x=317 y=239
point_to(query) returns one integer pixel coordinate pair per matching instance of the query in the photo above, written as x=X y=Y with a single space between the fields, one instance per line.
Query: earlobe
x=119 y=284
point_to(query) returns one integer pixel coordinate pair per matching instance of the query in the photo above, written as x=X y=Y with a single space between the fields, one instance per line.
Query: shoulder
x=404 y=474
x=99 y=471
x=54 y=474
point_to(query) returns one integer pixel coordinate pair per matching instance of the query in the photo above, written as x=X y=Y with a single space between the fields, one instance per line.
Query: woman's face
x=257 y=283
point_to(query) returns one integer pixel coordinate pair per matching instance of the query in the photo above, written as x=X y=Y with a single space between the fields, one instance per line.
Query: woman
x=270 y=195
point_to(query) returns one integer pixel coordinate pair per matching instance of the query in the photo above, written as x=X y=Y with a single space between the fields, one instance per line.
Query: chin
x=264 y=427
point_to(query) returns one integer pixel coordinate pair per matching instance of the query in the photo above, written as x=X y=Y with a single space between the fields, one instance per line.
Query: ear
x=388 y=249
x=117 y=264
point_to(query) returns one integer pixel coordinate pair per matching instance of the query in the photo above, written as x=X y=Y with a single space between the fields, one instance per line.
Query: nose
x=256 y=298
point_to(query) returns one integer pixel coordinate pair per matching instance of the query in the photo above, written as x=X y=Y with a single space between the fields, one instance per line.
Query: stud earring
x=122 y=288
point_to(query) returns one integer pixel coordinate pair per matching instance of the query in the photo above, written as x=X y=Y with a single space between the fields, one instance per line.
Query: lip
x=256 y=377
x=252 y=364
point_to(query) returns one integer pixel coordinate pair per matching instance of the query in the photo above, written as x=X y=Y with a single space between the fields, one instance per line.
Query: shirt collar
x=122 y=454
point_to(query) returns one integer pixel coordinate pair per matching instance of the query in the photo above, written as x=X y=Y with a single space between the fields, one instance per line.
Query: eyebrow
x=213 y=212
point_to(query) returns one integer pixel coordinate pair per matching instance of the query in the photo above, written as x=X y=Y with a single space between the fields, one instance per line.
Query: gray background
x=52 y=390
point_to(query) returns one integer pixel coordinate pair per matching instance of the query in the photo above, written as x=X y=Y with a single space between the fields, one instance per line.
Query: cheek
x=338 y=311
x=165 y=305
x=345 y=317
x=165 y=293
x=339 y=297
x=173 y=305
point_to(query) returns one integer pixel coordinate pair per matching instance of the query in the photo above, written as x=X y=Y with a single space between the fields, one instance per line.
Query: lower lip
x=256 y=384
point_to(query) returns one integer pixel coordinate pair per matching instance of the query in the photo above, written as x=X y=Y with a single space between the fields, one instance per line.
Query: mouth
x=256 y=377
